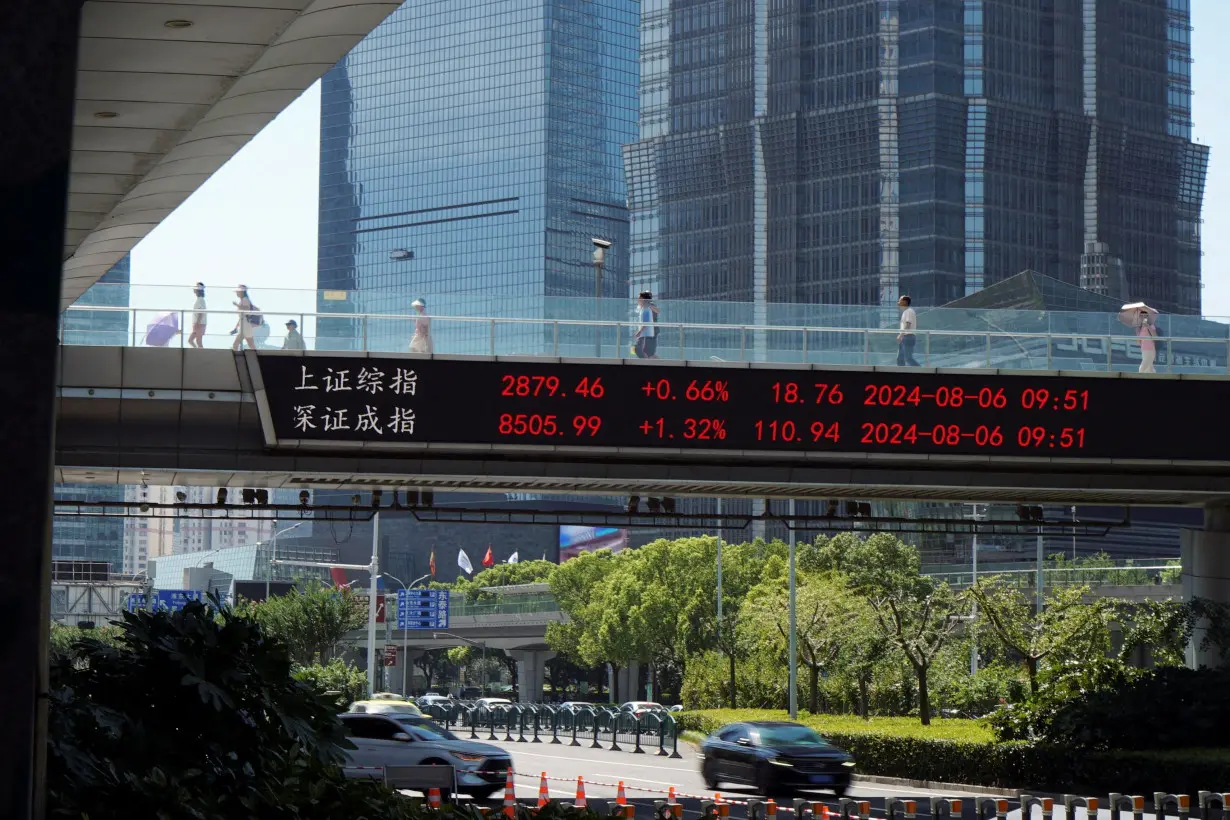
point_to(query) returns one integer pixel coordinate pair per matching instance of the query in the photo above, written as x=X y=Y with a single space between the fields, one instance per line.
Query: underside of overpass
x=173 y=416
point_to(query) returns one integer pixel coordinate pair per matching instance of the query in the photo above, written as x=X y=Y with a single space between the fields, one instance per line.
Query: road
x=647 y=777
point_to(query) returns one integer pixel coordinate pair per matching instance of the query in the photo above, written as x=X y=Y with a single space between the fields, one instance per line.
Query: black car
x=775 y=757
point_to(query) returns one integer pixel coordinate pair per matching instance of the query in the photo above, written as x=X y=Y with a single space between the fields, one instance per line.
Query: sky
x=254 y=222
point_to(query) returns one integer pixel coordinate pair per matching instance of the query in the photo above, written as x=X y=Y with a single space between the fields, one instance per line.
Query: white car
x=492 y=703
x=404 y=740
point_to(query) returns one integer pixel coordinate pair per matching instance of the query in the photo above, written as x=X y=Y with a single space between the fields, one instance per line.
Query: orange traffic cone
x=824 y=813
x=433 y=798
x=543 y=793
x=621 y=799
x=580 y=801
x=510 y=797
x=670 y=795
x=770 y=810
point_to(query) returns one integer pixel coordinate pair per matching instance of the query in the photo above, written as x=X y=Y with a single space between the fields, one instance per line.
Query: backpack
x=254 y=317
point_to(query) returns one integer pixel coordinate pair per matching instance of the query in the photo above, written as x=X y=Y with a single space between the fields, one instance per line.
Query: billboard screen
x=575 y=540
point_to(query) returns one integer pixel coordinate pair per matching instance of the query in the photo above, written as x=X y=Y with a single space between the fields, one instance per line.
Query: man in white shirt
x=905 y=339
x=646 y=315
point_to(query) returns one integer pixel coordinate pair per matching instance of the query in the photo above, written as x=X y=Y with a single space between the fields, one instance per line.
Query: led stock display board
x=389 y=401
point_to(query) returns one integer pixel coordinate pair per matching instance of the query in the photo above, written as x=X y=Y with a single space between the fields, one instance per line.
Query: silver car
x=405 y=740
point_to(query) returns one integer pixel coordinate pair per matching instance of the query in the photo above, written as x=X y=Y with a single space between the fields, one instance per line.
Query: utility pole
x=973 y=649
x=719 y=567
x=794 y=652
x=371 y=609
x=1038 y=593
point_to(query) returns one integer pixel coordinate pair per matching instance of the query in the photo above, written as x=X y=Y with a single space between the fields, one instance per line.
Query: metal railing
x=498 y=336
x=590 y=725
x=505 y=605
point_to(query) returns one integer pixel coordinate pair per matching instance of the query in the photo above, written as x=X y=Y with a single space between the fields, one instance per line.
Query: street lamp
x=600 y=248
x=481 y=644
x=274 y=559
x=405 y=653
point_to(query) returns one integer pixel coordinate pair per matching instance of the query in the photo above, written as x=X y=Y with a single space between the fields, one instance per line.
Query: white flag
x=514 y=558
x=463 y=561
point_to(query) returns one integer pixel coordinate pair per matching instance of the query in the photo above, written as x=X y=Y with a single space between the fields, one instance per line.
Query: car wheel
x=841 y=791
x=766 y=783
x=709 y=772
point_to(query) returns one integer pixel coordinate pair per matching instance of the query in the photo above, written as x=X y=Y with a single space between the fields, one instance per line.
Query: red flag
x=339 y=576
x=489 y=559
x=431 y=563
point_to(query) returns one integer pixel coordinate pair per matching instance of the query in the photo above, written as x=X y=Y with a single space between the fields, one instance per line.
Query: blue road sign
x=174 y=600
x=422 y=609
x=135 y=601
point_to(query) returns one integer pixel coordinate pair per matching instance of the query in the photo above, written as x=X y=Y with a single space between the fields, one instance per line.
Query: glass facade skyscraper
x=469 y=152
x=847 y=151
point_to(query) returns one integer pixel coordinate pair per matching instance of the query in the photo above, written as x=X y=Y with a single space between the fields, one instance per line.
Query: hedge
x=926 y=754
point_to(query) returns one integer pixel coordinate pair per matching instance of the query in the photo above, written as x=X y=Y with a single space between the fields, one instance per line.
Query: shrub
x=963 y=752
x=341 y=682
x=195 y=714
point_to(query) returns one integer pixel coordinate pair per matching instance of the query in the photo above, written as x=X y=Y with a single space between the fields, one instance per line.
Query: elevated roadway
x=172 y=416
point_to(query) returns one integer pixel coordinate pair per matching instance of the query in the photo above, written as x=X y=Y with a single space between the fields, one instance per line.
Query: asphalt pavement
x=647 y=777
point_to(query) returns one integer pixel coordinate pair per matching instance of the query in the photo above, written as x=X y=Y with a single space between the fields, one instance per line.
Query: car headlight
x=848 y=763
x=779 y=762
x=466 y=756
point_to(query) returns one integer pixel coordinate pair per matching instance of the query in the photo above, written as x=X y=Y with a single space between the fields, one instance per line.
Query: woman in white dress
x=197 y=337
x=421 y=341
x=245 y=325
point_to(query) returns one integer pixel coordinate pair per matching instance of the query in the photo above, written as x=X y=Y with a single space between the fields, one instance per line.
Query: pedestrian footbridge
x=549 y=424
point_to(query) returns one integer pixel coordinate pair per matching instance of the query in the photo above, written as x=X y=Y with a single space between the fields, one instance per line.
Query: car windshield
x=426 y=730
x=776 y=736
x=393 y=708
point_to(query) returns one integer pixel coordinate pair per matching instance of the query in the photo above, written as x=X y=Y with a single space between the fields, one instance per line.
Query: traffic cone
x=770 y=810
x=824 y=813
x=543 y=793
x=621 y=799
x=670 y=795
x=580 y=801
x=510 y=797
x=433 y=798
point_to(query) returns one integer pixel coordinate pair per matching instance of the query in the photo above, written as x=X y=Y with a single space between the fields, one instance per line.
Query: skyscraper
x=846 y=151
x=469 y=152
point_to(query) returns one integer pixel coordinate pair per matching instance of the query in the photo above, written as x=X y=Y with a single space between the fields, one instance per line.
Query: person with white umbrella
x=1143 y=318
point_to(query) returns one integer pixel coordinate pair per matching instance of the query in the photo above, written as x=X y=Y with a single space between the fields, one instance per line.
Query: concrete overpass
x=174 y=416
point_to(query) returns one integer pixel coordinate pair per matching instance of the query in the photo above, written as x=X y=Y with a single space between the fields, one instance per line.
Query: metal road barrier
x=597 y=726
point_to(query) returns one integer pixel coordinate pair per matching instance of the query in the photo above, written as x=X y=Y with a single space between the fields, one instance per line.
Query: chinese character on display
x=335 y=381
x=303 y=417
x=303 y=383
x=405 y=382
x=402 y=421
x=335 y=419
x=368 y=421
x=370 y=380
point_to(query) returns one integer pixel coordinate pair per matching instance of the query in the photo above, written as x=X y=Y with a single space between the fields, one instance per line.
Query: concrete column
x=629 y=675
x=531 y=672
x=39 y=64
x=1206 y=573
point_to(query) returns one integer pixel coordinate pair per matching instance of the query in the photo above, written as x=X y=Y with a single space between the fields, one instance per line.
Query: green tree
x=343 y=682
x=310 y=622
x=195 y=714
x=64 y=637
x=1069 y=626
x=503 y=575
x=826 y=624
x=429 y=662
x=914 y=612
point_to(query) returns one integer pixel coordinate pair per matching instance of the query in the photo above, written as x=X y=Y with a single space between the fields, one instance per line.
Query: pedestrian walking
x=646 y=346
x=906 y=339
x=197 y=337
x=1143 y=319
x=420 y=342
x=249 y=319
x=294 y=339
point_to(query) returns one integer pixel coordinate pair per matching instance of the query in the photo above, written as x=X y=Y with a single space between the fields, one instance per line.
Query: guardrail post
x=470 y=713
x=614 y=733
x=1072 y=801
x=508 y=737
x=755 y=809
x=595 y=744
x=1211 y=802
x=535 y=739
x=491 y=723
x=574 y=742
x=636 y=736
x=1182 y=804
x=662 y=735
x=900 y=808
x=521 y=725
x=801 y=807
x=674 y=739
x=555 y=718
x=949 y=808
x=849 y=808
x=990 y=807
x=1045 y=804
x=1134 y=803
